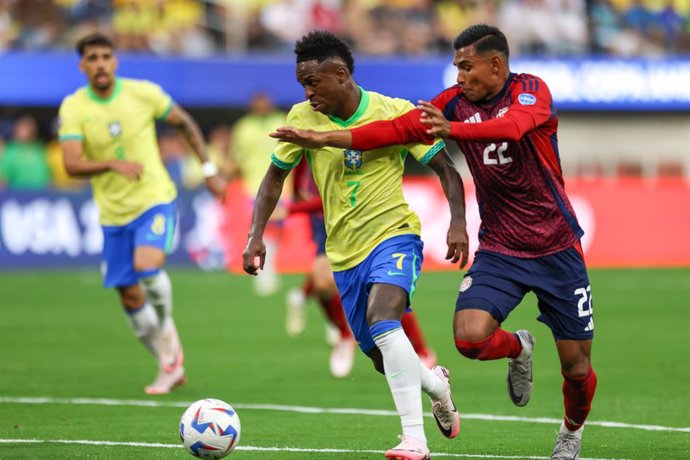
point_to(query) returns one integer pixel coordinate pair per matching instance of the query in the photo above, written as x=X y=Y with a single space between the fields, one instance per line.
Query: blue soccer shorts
x=497 y=283
x=318 y=233
x=155 y=227
x=396 y=261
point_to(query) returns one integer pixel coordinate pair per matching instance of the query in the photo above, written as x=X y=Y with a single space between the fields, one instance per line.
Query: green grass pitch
x=62 y=337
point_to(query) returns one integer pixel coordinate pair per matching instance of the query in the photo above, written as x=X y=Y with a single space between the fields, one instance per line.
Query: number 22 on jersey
x=494 y=154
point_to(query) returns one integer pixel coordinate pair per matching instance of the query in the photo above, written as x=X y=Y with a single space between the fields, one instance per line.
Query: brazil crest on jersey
x=362 y=192
x=121 y=127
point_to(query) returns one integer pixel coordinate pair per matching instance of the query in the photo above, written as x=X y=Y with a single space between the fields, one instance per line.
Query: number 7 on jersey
x=353 y=193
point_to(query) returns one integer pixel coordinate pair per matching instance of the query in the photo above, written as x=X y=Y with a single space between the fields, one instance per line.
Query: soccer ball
x=210 y=428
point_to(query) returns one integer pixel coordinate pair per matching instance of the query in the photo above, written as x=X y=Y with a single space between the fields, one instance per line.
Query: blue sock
x=383 y=327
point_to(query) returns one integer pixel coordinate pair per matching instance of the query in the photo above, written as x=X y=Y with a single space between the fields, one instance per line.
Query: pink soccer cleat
x=410 y=448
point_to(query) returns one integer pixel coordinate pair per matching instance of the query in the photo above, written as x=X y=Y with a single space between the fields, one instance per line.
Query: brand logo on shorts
x=353 y=158
x=466 y=283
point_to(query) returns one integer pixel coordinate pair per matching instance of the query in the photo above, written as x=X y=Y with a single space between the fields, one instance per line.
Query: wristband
x=208 y=169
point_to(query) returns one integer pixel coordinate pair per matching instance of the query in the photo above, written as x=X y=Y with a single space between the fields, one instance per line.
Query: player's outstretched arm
x=510 y=127
x=77 y=165
x=185 y=124
x=433 y=118
x=267 y=198
x=406 y=129
x=313 y=139
x=457 y=239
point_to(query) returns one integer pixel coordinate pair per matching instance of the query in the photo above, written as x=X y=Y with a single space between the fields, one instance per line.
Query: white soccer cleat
x=166 y=380
x=445 y=413
x=343 y=357
x=296 y=312
x=410 y=448
x=520 y=371
x=568 y=444
x=170 y=362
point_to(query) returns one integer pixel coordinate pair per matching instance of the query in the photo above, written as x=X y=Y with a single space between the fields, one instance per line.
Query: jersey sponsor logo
x=466 y=283
x=353 y=158
x=392 y=273
x=115 y=128
x=502 y=112
x=476 y=118
x=527 y=99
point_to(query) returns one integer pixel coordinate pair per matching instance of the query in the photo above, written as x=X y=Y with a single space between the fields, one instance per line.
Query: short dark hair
x=95 y=39
x=321 y=45
x=484 y=38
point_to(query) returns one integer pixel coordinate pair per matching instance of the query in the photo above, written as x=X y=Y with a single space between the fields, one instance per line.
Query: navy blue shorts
x=318 y=233
x=395 y=261
x=496 y=283
x=155 y=227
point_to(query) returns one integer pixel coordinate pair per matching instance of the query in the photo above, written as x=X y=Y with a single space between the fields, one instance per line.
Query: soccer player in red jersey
x=506 y=126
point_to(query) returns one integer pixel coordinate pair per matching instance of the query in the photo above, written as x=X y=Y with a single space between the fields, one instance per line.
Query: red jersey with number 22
x=511 y=147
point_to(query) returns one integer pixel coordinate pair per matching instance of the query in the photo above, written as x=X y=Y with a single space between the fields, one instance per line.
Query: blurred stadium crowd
x=30 y=156
x=373 y=27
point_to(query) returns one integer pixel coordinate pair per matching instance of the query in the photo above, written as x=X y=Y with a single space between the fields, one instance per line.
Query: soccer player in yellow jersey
x=248 y=147
x=373 y=238
x=107 y=132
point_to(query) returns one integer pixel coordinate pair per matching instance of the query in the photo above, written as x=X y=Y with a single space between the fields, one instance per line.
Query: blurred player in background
x=320 y=285
x=373 y=241
x=506 y=125
x=108 y=133
x=250 y=149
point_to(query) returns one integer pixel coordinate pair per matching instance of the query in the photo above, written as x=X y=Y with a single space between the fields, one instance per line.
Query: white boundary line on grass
x=267 y=449
x=321 y=410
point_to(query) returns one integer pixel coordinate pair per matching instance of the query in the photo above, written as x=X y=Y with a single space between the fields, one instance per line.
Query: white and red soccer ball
x=210 y=428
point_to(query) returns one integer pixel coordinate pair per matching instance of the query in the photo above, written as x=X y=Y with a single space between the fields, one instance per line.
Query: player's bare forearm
x=267 y=198
x=77 y=165
x=185 y=124
x=86 y=168
x=313 y=139
x=457 y=238
x=191 y=132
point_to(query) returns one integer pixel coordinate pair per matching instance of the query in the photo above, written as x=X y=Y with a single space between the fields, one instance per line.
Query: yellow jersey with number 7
x=362 y=192
x=122 y=126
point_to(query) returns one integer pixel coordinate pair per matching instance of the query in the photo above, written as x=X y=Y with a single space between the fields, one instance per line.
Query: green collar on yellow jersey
x=113 y=95
x=361 y=108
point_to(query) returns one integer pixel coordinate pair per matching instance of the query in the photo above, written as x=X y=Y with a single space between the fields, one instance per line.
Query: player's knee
x=471 y=350
x=148 y=259
x=148 y=264
x=131 y=297
x=469 y=332
x=474 y=346
x=323 y=285
x=576 y=369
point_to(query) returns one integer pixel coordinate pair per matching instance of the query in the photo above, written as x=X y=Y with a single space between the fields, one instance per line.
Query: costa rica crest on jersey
x=466 y=283
x=353 y=158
